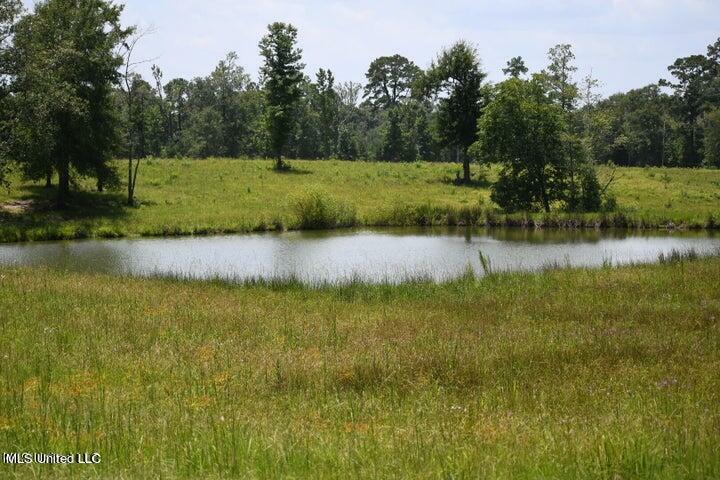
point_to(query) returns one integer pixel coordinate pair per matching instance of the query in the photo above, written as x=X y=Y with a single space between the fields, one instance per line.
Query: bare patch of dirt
x=17 y=207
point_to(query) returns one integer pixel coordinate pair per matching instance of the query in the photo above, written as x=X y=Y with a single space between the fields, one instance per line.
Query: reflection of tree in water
x=540 y=235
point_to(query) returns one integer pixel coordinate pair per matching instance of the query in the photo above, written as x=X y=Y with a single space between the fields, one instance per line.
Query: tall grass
x=485 y=264
x=565 y=374
x=316 y=210
x=678 y=256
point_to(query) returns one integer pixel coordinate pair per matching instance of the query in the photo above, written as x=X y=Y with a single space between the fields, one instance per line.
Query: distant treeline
x=669 y=123
x=71 y=100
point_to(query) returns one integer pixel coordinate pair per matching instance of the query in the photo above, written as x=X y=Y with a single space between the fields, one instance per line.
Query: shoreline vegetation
x=243 y=196
x=570 y=373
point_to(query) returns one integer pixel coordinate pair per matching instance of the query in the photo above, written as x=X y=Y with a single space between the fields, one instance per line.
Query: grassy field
x=611 y=373
x=180 y=197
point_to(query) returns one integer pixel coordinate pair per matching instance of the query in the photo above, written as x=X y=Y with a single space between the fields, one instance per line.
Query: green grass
x=609 y=373
x=181 y=197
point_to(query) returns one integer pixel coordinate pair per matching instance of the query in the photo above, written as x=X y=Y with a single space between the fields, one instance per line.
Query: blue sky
x=626 y=43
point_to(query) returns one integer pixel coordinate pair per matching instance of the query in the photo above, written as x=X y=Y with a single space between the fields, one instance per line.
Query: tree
x=390 y=80
x=524 y=132
x=282 y=78
x=226 y=84
x=203 y=134
x=65 y=65
x=393 y=142
x=457 y=78
x=711 y=126
x=176 y=95
x=326 y=103
x=350 y=120
x=635 y=128
x=306 y=139
x=227 y=97
x=697 y=91
x=347 y=148
x=419 y=141
x=348 y=93
x=135 y=92
x=515 y=67
x=9 y=12
x=559 y=76
x=590 y=98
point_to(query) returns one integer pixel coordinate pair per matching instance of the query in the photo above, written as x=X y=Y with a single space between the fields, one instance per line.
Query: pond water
x=373 y=255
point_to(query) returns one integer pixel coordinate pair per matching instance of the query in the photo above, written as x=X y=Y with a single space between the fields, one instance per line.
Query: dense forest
x=71 y=100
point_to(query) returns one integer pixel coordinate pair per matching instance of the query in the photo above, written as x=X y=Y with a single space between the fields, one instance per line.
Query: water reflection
x=372 y=254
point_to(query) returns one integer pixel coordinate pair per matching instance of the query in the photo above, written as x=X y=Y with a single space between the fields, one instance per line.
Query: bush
x=316 y=209
x=586 y=194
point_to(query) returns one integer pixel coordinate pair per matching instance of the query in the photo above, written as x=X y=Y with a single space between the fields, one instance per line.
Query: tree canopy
x=65 y=64
x=515 y=67
x=457 y=78
x=527 y=134
x=281 y=76
x=389 y=80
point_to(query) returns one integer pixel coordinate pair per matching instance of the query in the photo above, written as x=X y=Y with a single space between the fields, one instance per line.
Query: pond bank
x=29 y=228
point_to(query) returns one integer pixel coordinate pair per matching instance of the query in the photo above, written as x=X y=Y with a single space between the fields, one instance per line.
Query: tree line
x=71 y=101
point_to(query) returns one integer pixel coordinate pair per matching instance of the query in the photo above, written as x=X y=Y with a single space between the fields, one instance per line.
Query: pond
x=372 y=255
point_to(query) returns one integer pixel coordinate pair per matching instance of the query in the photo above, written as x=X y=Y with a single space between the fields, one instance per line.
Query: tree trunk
x=466 y=168
x=543 y=193
x=131 y=186
x=279 y=164
x=63 y=183
x=48 y=178
x=546 y=204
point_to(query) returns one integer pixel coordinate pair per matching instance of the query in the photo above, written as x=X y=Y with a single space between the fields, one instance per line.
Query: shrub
x=316 y=209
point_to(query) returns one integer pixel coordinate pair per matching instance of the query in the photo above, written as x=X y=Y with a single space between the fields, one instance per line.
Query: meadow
x=186 y=197
x=607 y=374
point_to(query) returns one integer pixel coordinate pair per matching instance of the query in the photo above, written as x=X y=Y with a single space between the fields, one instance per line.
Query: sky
x=625 y=43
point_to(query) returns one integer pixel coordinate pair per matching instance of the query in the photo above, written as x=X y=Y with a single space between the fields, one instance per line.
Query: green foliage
x=634 y=128
x=9 y=12
x=515 y=67
x=316 y=210
x=696 y=89
x=558 y=77
x=327 y=104
x=281 y=78
x=64 y=69
x=523 y=131
x=143 y=120
x=711 y=128
x=319 y=118
x=389 y=81
x=347 y=147
x=456 y=76
x=584 y=193
x=393 y=142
